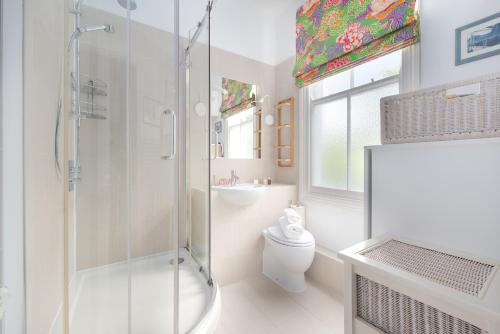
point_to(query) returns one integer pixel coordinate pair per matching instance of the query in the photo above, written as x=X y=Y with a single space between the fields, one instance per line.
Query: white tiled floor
x=259 y=306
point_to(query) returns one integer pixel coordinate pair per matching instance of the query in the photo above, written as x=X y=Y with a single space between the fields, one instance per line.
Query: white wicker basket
x=435 y=114
x=397 y=286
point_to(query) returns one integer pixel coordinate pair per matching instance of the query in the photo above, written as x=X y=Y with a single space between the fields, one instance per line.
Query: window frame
x=308 y=106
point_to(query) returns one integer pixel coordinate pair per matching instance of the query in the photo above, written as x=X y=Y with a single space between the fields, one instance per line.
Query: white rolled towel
x=292 y=231
x=292 y=216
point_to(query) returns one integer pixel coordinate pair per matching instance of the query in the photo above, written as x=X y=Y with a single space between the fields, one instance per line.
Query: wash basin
x=240 y=194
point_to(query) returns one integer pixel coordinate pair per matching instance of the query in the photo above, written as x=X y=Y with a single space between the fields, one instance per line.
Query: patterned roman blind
x=335 y=35
x=236 y=96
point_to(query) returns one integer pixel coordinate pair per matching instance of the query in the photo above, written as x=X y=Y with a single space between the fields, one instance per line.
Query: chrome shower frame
x=204 y=23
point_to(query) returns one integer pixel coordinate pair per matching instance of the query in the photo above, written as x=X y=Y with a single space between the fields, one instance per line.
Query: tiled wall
x=230 y=65
x=237 y=240
x=102 y=210
x=285 y=88
x=44 y=187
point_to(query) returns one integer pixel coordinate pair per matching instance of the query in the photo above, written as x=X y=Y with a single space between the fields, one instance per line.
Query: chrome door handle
x=173 y=149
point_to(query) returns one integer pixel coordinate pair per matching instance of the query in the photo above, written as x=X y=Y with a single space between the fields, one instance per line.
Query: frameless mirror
x=236 y=120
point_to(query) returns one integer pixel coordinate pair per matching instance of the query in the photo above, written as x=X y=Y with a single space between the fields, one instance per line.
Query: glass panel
x=365 y=129
x=99 y=218
x=331 y=85
x=329 y=145
x=194 y=272
x=377 y=69
x=153 y=167
x=198 y=174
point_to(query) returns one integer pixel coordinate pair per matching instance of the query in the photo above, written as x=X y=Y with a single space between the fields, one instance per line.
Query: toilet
x=285 y=261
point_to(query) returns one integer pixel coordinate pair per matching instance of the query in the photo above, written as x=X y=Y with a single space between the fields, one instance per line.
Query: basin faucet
x=234 y=177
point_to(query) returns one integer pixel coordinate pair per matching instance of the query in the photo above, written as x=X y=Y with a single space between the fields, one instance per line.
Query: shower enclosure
x=137 y=152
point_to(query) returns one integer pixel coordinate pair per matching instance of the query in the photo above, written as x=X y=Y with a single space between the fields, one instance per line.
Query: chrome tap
x=234 y=177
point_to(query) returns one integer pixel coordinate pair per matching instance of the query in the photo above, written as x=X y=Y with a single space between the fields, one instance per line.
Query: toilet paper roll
x=301 y=211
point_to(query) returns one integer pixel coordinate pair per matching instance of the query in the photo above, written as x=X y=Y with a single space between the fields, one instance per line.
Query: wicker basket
x=433 y=114
x=397 y=286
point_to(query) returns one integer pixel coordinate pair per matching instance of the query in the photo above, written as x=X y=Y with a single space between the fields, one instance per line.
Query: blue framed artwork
x=478 y=40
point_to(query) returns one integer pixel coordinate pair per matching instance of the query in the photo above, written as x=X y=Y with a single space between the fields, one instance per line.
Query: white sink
x=240 y=194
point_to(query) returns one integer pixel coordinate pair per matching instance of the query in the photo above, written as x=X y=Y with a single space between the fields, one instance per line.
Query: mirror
x=236 y=120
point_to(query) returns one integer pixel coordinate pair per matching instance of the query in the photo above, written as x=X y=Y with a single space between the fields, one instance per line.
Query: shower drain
x=181 y=260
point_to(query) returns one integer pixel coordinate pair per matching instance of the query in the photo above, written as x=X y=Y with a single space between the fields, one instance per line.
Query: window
x=343 y=117
x=240 y=135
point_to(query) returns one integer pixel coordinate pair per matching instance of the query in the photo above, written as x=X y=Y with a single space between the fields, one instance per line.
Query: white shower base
x=100 y=298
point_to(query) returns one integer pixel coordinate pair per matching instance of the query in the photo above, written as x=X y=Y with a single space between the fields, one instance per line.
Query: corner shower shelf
x=399 y=286
x=88 y=88
x=91 y=89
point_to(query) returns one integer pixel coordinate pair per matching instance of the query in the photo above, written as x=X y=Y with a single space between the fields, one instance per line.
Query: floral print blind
x=335 y=35
x=236 y=96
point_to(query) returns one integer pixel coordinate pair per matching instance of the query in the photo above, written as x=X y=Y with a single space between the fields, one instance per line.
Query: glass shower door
x=123 y=226
x=153 y=100
x=98 y=223
x=138 y=244
x=197 y=75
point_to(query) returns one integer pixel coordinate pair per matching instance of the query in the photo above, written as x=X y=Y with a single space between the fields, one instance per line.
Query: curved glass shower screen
x=138 y=222
x=197 y=70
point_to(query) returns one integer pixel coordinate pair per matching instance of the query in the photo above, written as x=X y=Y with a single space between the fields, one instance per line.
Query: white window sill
x=355 y=202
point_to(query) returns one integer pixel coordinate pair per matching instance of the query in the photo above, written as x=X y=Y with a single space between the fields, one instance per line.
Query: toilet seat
x=275 y=234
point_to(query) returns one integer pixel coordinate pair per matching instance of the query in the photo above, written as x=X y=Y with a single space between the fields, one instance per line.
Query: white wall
x=255 y=29
x=439 y=21
x=285 y=31
x=339 y=224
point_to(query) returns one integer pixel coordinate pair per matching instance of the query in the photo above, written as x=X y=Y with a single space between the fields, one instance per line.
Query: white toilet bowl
x=285 y=261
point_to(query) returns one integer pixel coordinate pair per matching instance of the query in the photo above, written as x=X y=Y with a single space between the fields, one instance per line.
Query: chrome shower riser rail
x=74 y=163
x=76 y=109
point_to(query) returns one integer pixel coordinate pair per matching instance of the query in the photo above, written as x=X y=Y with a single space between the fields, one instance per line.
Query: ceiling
x=263 y=30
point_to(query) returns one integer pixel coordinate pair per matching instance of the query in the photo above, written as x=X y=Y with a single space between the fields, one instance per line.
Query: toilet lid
x=275 y=233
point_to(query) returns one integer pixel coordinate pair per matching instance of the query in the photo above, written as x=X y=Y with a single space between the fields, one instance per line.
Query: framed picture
x=478 y=40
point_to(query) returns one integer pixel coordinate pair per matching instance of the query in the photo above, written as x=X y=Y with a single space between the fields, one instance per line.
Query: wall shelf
x=284 y=140
x=258 y=134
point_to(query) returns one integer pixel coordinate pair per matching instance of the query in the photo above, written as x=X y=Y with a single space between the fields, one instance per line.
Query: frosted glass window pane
x=365 y=129
x=329 y=145
x=331 y=85
x=377 y=69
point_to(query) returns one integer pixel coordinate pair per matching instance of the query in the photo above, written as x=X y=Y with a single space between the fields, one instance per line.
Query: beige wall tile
x=237 y=240
x=44 y=201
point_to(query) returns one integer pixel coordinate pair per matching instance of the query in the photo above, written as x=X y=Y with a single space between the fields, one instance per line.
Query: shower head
x=105 y=27
x=125 y=4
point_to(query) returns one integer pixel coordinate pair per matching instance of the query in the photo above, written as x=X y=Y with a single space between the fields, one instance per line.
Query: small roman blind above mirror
x=236 y=96
x=335 y=35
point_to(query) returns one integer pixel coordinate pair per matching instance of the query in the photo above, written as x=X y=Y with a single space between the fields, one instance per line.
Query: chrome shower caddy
x=397 y=286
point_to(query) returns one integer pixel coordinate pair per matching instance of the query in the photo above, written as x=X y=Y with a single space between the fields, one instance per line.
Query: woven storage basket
x=432 y=114
x=395 y=286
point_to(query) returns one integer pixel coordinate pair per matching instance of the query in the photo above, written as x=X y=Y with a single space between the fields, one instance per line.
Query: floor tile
x=258 y=305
